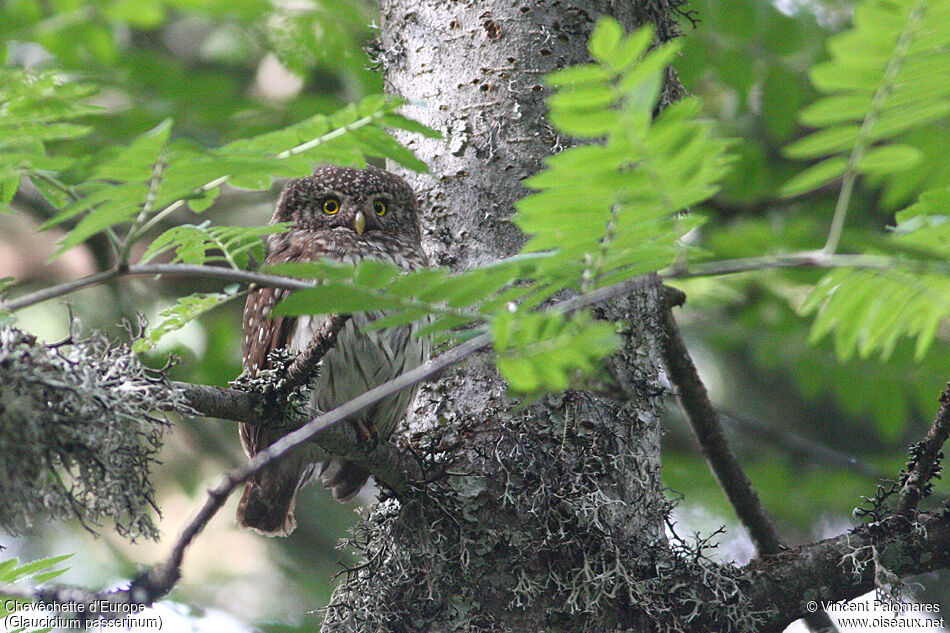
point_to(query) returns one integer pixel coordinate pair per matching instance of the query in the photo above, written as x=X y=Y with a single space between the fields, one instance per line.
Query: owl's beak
x=359 y=223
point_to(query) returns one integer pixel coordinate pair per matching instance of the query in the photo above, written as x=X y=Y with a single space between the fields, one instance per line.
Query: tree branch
x=391 y=467
x=225 y=404
x=787 y=580
x=808 y=259
x=178 y=270
x=843 y=567
x=800 y=446
x=706 y=425
x=925 y=463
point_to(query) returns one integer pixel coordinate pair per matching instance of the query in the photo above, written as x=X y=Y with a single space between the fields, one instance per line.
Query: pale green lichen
x=79 y=433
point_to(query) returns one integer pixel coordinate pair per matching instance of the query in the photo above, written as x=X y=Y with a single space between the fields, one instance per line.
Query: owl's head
x=368 y=202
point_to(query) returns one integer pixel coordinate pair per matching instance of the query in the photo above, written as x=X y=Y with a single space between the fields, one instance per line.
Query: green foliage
x=882 y=117
x=545 y=352
x=185 y=310
x=878 y=85
x=197 y=61
x=203 y=244
x=38 y=571
x=142 y=183
x=868 y=311
x=35 y=110
x=307 y=35
x=878 y=399
x=603 y=213
x=610 y=211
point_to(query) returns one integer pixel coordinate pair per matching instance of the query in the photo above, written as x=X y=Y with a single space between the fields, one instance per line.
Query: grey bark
x=553 y=512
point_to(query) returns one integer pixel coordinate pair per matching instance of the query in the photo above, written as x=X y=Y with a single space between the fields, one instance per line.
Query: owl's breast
x=361 y=360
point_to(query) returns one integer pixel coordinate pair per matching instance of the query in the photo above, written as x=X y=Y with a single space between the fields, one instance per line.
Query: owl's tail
x=267 y=505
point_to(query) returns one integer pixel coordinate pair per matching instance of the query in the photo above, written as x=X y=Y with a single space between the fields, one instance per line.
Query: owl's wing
x=263 y=335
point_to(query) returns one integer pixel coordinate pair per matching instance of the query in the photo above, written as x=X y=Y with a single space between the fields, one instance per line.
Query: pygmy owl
x=347 y=215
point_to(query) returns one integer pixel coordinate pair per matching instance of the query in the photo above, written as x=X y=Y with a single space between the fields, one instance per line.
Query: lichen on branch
x=79 y=433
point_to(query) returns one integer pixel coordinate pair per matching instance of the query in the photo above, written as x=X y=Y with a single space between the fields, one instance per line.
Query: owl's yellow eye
x=331 y=206
x=379 y=207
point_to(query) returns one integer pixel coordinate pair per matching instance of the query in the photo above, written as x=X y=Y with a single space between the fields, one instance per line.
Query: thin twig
x=383 y=462
x=926 y=461
x=75 y=196
x=304 y=367
x=808 y=259
x=159 y=579
x=177 y=270
x=59 y=290
x=799 y=445
x=158 y=171
x=707 y=269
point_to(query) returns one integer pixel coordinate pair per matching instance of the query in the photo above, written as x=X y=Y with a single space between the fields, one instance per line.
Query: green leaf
x=6 y=567
x=889 y=159
x=869 y=311
x=375 y=274
x=630 y=49
x=32 y=568
x=136 y=162
x=399 y=122
x=578 y=75
x=185 y=310
x=608 y=209
x=540 y=351
x=204 y=244
x=381 y=144
x=934 y=202
x=825 y=142
x=335 y=298
x=837 y=109
x=815 y=176
x=878 y=85
x=605 y=38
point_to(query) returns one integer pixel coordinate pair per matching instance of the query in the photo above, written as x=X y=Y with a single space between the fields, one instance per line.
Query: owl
x=346 y=215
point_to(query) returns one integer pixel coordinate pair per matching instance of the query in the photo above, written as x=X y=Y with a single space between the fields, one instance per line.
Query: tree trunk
x=553 y=515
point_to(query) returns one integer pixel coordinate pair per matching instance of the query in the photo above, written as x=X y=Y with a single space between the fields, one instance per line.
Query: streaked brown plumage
x=335 y=213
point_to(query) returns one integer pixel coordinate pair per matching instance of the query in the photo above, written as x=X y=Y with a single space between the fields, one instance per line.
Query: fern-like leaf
x=540 y=351
x=36 y=108
x=868 y=311
x=881 y=82
x=205 y=244
x=185 y=310
x=145 y=182
x=611 y=210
